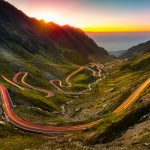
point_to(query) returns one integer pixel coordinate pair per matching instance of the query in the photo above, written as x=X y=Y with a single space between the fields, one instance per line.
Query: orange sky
x=91 y=15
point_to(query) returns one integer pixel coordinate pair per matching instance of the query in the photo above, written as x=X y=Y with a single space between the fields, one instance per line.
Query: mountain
x=117 y=53
x=109 y=98
x=59 y=43
x=137 y=50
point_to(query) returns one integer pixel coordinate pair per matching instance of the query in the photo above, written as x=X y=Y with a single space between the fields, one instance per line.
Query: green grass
x=21 y=142
x=105 y=96
x=113 y=125
x=110 y=92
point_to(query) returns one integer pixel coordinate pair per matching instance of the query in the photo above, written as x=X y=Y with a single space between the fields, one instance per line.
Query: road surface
x=23 y=124
x=132 y=98
x=52 y=82
x=9 y=81
x=15 y=79
x=69 y=76
x=26 y=125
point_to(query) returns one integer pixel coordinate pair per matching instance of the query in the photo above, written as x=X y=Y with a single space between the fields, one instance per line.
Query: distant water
x=119 y=41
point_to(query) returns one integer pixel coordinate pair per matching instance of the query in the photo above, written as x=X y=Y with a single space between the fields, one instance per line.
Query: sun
x=51 y=16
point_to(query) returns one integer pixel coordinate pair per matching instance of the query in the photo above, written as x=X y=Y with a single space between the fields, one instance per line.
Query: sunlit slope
x=126 y=79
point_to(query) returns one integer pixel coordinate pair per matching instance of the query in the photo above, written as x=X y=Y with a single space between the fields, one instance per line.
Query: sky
x=91 y=15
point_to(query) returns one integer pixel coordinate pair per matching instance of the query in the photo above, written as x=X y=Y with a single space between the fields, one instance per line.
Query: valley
x=59 y=90
x=11 y=117
x=77 y=117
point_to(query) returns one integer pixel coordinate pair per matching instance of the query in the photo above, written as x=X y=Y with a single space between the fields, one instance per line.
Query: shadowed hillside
x=56 y=42
x=137 y=50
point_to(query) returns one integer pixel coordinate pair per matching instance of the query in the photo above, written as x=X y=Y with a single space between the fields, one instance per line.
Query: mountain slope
x=137 y=50
x=48 y=39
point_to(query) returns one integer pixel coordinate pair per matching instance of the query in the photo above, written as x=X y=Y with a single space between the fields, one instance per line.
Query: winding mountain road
x=69 y=76
x=13 y=83
x=26 y=125
x=23 y=124
x=15 y=79
x=132 y=98
x=52 y=82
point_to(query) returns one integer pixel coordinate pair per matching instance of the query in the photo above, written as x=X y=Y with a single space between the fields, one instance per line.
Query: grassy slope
x=105 y=97
x=40 y=72
x=111 y=91
x=126 y=77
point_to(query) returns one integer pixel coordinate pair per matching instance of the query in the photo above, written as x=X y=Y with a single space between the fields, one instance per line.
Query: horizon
x=91 y=16
x=116 y=41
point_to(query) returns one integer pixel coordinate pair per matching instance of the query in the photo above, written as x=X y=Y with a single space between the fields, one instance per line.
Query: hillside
x=59 y=43
x=137 y=50
x=52 y=97
x=123 y=78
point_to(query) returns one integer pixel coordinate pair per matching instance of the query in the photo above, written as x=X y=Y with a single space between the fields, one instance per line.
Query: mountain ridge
x=34 y=36
x=137 y=50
